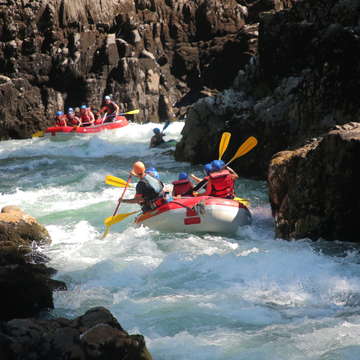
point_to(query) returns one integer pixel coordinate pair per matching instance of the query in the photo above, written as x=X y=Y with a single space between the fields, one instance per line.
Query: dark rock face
x=147 y=54
x=25 y=282
x=314 y=190
x=305 y=80
x=95 y=335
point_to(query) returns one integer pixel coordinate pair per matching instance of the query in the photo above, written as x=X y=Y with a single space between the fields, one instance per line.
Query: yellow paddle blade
x=132 y=112
x=38 y=134
x=115 y=181
x=224 y=142
x=242 y=201
x=111 y=220
x=248 y=144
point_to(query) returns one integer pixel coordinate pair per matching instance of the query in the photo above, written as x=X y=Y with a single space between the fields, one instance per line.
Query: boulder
x=25 y=281
x=94 y=335
x=314 y=190
x=20 y=229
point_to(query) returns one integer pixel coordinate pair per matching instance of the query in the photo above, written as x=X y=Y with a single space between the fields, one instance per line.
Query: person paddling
x=157 y=138
x=72 y=118
x=110 y=108
x=86 y=115
x=149 y=190
x=221 y=181
x=60 y=119
x=183 y=186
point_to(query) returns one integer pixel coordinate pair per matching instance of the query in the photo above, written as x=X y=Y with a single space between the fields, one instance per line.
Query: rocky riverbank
x=27 y=289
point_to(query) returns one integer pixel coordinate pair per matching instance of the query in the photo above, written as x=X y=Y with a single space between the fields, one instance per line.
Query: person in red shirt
x=72 y=119
x=86 y=116
x=183 y=186
x=110 y=108
x=60 y=119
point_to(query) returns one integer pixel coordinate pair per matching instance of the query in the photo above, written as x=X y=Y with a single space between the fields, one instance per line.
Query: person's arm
x=234 y=175
x=117 y=109
x=195 y=178
x=135 y=200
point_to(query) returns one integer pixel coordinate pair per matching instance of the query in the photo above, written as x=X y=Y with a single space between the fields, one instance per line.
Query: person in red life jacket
x=110 y=108
x=221 y=181
x=72 y=119
x=149 y=190
x=202 y=182
x=60 y=119
x=183 y=186
x=98 y=118
x=86 y=116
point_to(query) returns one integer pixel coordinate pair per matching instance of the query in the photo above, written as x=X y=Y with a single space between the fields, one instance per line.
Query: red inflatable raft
x=68 y=131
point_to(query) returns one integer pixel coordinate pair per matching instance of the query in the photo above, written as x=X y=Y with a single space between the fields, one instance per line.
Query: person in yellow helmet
x=149 y=190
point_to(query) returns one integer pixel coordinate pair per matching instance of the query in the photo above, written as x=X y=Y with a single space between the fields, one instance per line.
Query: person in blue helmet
x=60 y=119
x=221 y=181
x=202 y=182
x=86 y=115
x=183 y=186
x=157 y=138
x=153 y=172
x=72 y=119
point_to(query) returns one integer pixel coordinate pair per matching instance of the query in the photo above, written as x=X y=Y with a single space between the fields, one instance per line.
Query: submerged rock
x=314 y=190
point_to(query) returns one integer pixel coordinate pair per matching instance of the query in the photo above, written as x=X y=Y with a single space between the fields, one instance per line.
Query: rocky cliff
x=158 y=56
x=304 y=81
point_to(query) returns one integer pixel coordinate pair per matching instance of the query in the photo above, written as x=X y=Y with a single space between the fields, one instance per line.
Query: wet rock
x=25 y=281
x=94 y=335
x=147 y=54
x=20 y=229
x=303 y=81
x=314 y=189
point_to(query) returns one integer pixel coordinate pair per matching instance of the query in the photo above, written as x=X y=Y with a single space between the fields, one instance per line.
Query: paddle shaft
x=122 y=195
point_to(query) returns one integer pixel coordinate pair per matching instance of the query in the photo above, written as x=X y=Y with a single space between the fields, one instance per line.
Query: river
x=244 y=297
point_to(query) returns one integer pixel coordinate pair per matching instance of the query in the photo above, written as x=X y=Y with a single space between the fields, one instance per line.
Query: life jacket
x=222 y=184
x=155 y=197
x=109 y=107
x=182 y=187
x=74 y=120
x=85 y=117
x=61 y=121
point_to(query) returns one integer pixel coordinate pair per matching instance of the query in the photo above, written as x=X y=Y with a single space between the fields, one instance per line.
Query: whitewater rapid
x=245 y=297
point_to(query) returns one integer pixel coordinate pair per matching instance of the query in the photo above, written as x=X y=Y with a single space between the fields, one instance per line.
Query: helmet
x=107 y=97
x=153 y=172
x=58 y=113
x=156 y=131
x=83 y=107
x=138 y=169
x=183 y=176
x=217 y=165
x=70 y=110
x=208 y=168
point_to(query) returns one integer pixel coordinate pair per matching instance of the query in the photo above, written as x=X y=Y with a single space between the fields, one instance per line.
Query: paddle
x=131 y=112
x=243 y=149
x=103 y=119
x=111 y=220
x=108 y=221
x=165 y=126
x=224 y=142
x=38 y=134
x=115 y=181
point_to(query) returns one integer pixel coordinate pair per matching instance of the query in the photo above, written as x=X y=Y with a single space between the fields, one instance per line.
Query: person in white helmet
x=110 y=108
